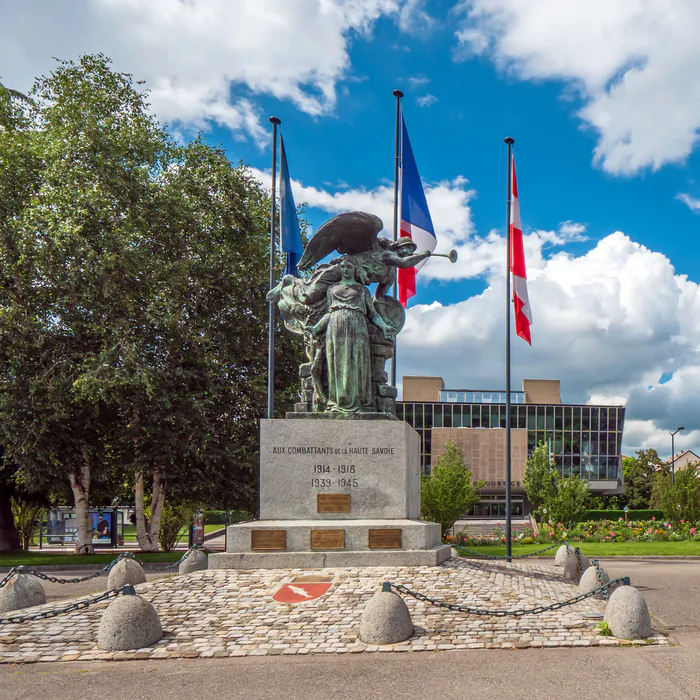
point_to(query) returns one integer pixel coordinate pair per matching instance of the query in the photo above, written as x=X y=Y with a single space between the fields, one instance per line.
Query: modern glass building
x=583 y=440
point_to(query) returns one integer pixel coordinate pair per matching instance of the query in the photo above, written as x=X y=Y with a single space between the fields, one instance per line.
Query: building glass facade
x=583 y=440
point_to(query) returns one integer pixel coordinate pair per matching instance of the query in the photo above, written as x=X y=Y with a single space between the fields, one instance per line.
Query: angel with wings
x=348 y=334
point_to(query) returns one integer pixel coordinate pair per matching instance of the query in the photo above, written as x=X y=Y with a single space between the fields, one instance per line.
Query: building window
x=585 y=418
x=603 y=419
x=558 y=418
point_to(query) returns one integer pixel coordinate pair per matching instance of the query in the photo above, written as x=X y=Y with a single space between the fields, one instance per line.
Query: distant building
x=683 y=459
x=582 y=439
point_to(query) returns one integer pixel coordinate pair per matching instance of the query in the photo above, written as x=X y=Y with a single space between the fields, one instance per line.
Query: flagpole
x=397 y=150
x=509 y=543
x=271 y=311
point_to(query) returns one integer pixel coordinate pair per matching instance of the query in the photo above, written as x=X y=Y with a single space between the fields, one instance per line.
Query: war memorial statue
x=348 y=332
x=338 y=493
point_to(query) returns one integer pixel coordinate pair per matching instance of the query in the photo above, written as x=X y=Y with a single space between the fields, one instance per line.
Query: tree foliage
x=540 y=480
x=569 y=502
x=132 y=303
x=640 y=473
x=448 y=492
x=680 y=498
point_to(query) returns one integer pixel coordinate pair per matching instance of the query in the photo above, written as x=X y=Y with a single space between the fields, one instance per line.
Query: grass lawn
x=606 y=549
x=58 y=559
x=130 y=530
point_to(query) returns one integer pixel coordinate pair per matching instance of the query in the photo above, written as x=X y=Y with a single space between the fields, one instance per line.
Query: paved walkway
x=231 y=613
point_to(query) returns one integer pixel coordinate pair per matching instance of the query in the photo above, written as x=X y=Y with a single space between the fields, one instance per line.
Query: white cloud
x=693 y=203
x=418 y=81
x=202 y=59
x=607 y=324
x=427 y=100
x=635 y=63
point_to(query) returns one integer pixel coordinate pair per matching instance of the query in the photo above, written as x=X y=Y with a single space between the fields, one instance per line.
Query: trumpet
x=451 y=256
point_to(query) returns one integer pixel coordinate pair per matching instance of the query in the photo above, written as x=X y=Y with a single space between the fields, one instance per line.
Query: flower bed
x=590 y=531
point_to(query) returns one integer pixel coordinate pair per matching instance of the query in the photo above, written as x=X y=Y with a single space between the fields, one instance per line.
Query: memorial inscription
x=384 y=538
x=327 y=539
x=333 y=503
x=267 y=540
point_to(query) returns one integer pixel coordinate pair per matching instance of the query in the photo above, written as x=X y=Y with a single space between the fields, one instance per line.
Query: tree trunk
x=80 y=485
x=142 y=530
x=156 y=508
x=9 y=539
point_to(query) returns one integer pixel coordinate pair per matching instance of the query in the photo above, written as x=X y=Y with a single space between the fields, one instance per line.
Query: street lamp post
x=673 y=453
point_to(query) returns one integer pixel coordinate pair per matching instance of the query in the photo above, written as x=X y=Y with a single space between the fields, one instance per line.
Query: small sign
x=626 y=509
x=327 y=539
x=333 y=503
x=298 y=592
x=267 y=540
x=385 y=538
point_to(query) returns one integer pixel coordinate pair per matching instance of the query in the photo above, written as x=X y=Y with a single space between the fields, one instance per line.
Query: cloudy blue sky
x=601 y=96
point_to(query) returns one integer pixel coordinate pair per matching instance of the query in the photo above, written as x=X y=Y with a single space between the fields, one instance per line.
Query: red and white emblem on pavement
x=300 y=592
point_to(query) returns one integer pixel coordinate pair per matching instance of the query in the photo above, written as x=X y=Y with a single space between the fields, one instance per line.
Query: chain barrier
x=16 y=570
x=599 y=575
x=482 y=555
x=43 y=615
x=459 y=607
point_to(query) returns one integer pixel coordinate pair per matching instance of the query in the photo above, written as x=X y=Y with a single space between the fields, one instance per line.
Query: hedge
x=616 y=514
x=218 y=517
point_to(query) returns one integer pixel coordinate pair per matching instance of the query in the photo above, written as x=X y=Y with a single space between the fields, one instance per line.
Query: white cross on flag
x=521 y=302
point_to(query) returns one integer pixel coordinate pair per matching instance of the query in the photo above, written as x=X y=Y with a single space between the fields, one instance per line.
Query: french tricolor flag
x=521 y=301
x=415 y=215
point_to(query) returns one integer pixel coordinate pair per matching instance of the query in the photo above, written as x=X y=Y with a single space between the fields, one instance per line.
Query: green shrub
x=526 y=540
x=218 y=517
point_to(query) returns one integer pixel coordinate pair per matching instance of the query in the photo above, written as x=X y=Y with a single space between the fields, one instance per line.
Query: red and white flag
x=521 y=302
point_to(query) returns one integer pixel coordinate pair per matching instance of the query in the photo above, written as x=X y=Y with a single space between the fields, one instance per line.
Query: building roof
x=688 y=454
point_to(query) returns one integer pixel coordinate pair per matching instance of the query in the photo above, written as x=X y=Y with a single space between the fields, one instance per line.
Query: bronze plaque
x=333 y=503
x=327 y=539
x=386 y=538
x=268 y=540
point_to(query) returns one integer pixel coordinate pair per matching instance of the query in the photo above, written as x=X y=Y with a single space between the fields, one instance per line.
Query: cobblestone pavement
x=222 y=613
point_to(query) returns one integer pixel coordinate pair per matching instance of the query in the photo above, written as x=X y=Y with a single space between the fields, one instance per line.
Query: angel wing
x=352 y=232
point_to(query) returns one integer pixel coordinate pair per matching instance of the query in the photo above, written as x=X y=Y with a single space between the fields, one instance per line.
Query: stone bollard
x=572 y=568
x=386 y=619
x=627 y=614
x=563 y=553
x=196 y=560
x=591 y=580
x=21 y=591
x=127 y=571
x=130 y=622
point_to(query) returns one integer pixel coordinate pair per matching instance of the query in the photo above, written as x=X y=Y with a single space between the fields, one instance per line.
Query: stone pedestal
x=336 y=493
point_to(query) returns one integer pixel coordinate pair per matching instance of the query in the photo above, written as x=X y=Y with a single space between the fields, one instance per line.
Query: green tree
x=680 y=498
x=540 y=480
x=77 y=277
x=448 y=492
x=133 y=314
x=640 y=473
x=19 y=178
x=568 y=504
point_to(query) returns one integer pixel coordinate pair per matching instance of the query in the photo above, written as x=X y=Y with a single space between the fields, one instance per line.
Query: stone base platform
x=314 y=544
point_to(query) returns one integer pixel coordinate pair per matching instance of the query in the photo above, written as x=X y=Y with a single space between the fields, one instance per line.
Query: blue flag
x=289 y=224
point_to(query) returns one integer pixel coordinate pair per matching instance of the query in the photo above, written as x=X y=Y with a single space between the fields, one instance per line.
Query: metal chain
x=16 y=619
x=599 y=576
x=16 y=570
x=458 y=607
x=482 y=555
x=579 y=561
